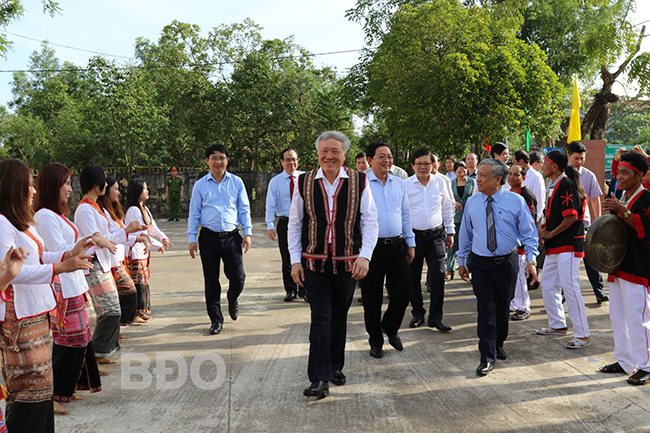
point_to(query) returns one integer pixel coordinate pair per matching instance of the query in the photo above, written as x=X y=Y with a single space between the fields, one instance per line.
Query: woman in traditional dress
x=73 y=358
x=25 y=333
x=125 y=286
x=462 y=187
x=136 y=194
x=90 y=218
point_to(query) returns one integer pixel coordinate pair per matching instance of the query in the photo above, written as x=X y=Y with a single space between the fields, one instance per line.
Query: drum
x=606 y=243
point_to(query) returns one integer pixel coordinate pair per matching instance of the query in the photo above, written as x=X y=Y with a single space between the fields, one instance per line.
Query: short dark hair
x=575 y=147
x=452 y=157
x=558 y=158
x=420 y=152
x=372 y=148
x=522 y=155
x=48 y=188
x=15 y=179
x=360 y=155
x=216 y=148
x=497 y=149
x=459 y=164
x=285 y=150
x=636 y=160
x=536 y=157
x=92 y=175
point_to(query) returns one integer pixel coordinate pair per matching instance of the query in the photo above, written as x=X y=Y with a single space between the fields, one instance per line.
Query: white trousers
x=561 y=272
x=521 y=301
x=629 y=311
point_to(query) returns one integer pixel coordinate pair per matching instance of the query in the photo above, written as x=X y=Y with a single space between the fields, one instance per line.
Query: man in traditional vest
x=332 y=233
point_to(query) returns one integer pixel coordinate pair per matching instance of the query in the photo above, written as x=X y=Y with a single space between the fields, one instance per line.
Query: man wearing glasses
x=432 y=217
x=220 y=203
x=278 y=202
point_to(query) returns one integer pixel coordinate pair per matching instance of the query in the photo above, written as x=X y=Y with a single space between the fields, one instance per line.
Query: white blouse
x=33 y=294
x=118 y=258
x=134 y=214
x=59 y=234
x=90 y=220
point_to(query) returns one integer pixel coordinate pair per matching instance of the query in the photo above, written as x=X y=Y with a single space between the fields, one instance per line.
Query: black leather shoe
x=484 y=368
x=290 y=297
x=439 y=325
x=233 y=309
x=338 y=378
x=416 y=322
x=302 y=293
x=395 y=341
x=601 y=299
x=319 y=389
x=501 y=353
x=376 y=352
x=176 y=219
x=215 y=328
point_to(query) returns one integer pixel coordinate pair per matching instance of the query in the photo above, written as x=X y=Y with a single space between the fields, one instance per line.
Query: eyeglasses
x=422 y=164
x=384 y=157
x=217 y=158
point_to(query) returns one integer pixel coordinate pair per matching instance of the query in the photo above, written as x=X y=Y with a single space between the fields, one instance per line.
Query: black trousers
x=330 y=296
x=215 y=249
x=432 y=249
x=30 y=417
x=389 y=261
x=282 y=227
x=595 y=279
x=494 y=288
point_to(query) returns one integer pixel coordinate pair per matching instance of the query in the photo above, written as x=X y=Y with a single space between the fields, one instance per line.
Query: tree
x=10 y=10
x=449 y=76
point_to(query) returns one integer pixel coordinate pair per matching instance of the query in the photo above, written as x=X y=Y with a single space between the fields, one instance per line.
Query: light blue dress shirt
x=219 y=206
x=513 y=222
x=393 y=210
x=278 y=201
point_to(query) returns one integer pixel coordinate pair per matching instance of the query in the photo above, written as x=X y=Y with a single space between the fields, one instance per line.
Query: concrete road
x=174 y=376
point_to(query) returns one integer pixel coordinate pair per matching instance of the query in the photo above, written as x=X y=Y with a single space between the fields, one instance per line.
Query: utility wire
x=66 y=46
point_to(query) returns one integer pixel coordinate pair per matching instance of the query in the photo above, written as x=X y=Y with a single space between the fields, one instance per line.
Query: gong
x=606 y=244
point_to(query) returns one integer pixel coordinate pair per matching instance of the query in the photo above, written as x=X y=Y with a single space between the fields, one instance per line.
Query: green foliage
x=11 y=10
x=447 y=77
x=629 y=122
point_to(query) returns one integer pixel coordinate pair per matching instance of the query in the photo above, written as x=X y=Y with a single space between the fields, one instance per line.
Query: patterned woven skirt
x=71 y=329
x=106 y=337
x=127 y=292
x=140 y=274
x=26 y=355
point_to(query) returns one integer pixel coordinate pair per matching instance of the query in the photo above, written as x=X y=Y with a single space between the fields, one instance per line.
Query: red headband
x=625 y=164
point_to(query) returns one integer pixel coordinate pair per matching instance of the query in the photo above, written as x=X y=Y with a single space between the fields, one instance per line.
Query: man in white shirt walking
x=432 y=217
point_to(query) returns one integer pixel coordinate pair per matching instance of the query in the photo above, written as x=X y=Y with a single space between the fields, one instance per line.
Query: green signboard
x=610 y=151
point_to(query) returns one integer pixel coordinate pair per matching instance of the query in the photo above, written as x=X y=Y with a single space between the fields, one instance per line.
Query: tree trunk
x=595 y=121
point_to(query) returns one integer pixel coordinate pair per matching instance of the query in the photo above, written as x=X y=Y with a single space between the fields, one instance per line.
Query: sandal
x=519 y=315
x=551 y=331
x=577 y=343
x=639 y=378
x=612 y=368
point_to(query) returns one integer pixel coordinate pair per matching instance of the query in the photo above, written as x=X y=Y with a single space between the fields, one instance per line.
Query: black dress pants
x=432 y=249
x=494 y=288
x=389 y=261
x=215 y=249
x=290 y=286
x=330 y=296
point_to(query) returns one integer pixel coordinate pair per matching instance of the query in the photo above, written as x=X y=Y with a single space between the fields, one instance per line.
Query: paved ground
x=258 y=367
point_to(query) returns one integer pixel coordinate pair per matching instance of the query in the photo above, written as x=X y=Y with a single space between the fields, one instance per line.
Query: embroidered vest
x=345 y=224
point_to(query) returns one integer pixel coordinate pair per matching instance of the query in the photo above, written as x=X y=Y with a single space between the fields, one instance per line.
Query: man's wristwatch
x=627 y=214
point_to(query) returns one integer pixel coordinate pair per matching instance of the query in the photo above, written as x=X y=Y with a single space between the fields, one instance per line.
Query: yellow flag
x=574 y=123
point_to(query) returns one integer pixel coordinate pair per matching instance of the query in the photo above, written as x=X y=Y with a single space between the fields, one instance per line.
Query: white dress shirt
x=433 y=204
x=535 y=183
x=59 y=234
x=369 y=225
x=33 y=294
